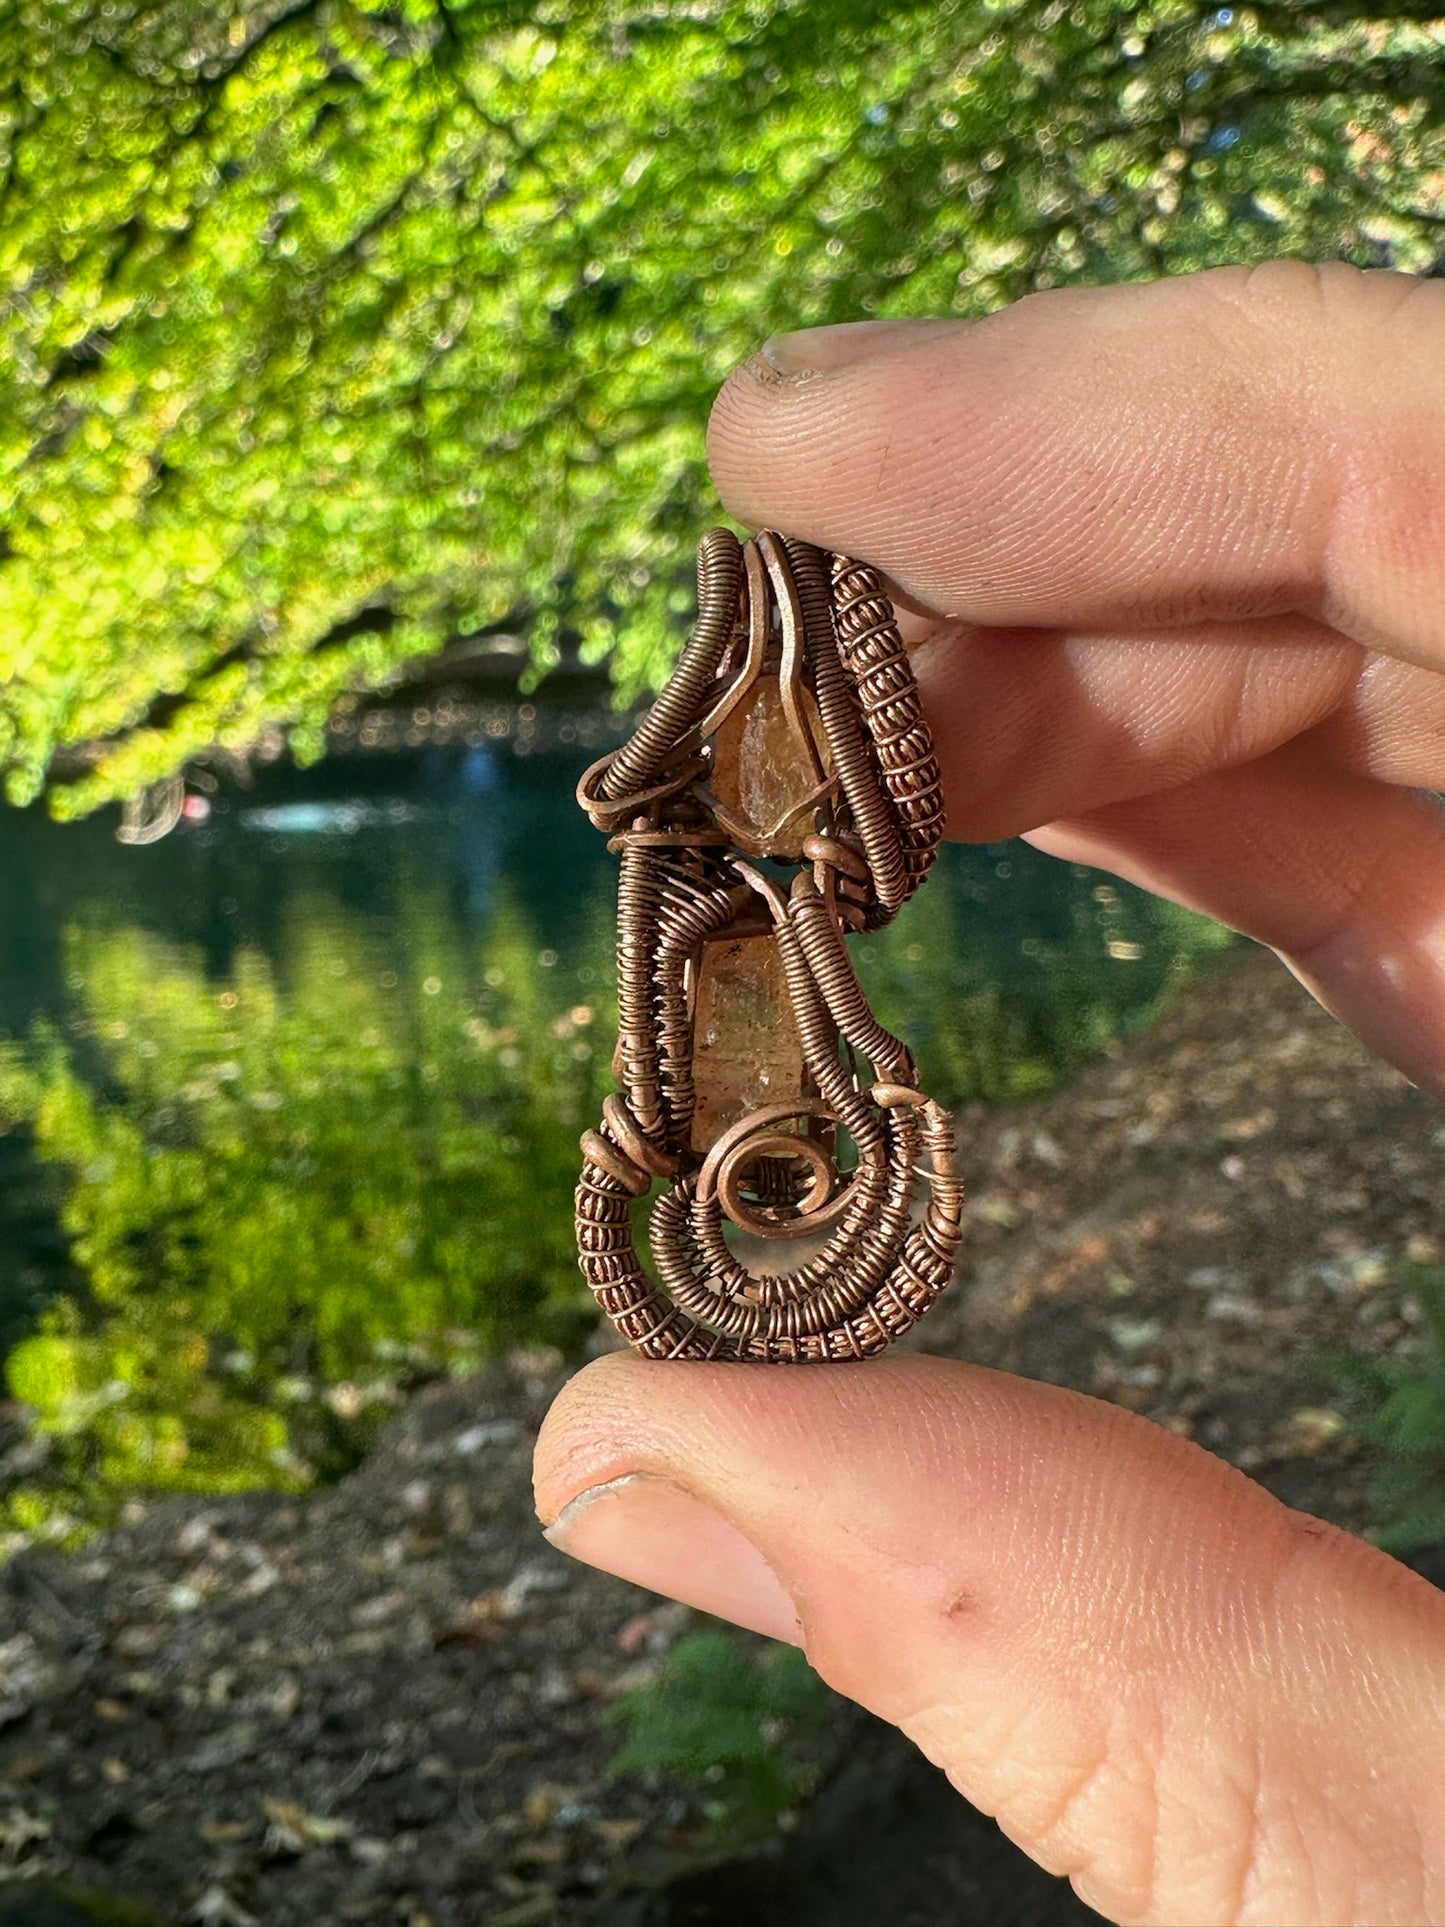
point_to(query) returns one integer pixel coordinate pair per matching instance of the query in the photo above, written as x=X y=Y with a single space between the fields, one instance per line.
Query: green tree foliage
x=334 y=329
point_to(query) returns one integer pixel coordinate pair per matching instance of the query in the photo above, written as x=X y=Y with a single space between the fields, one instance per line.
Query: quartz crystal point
x=761 y=772
x=745 y=1049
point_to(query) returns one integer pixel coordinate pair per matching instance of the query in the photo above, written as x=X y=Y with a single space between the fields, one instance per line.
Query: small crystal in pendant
x=761 y=771
x=746 y=1051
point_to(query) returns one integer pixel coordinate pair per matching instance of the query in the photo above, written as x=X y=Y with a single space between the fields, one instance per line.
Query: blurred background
x=354 y=366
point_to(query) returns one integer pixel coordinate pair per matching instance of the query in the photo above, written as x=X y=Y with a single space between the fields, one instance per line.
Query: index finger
x=1237 y=443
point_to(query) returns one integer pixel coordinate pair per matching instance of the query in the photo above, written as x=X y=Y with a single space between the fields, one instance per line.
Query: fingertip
x=757 y=411
x=659 y=1535
x=594 y=1431
x=789 y=425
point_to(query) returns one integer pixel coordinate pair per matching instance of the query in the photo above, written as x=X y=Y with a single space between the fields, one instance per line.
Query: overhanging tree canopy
x=333 y=330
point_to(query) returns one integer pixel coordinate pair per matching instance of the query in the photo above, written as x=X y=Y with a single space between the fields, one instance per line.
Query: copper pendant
x=755 y=1083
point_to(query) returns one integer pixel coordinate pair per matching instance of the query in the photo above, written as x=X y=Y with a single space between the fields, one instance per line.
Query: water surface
x=289 y=1101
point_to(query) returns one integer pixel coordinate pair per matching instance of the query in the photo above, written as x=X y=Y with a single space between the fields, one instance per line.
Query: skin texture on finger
x=1391 y=725
x=1237 y=443
x=1029 y=726
x=1200 y=1706
x=1342 y=876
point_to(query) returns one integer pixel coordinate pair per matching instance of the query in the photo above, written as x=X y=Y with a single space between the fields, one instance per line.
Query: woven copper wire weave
x=871 y=818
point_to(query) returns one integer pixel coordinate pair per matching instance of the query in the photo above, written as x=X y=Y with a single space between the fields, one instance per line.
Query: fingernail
x=813 y=350
x=652 y=1532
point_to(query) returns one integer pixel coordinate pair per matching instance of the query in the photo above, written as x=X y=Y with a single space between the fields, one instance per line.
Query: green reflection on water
x=284 y=1203
x=292 y=1185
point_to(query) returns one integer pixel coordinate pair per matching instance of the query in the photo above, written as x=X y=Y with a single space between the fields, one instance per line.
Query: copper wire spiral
x=774 y=615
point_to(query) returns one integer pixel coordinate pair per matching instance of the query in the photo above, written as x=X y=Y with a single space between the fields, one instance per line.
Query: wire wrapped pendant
x=755 y=1084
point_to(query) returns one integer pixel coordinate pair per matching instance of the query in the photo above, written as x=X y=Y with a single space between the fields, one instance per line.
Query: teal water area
x=289 y=1101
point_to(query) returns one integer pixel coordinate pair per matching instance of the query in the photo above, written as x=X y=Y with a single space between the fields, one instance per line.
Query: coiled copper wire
x=778 y=607
x=887 y=693
x=831 y=967
x=639 y=891
x=719 y=584
x=873 y=821
x=692 y=908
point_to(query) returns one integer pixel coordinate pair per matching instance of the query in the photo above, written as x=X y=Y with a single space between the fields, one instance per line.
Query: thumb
x=1199 y=1705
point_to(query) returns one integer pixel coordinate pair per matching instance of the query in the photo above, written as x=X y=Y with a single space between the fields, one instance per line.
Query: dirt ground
x=384 y=1702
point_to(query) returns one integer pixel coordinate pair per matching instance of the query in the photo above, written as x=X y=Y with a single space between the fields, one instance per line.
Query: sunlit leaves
x=318 y=307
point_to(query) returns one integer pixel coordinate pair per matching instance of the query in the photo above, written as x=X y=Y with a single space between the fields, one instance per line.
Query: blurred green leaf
x=735 y=1727
x=1399 y=1408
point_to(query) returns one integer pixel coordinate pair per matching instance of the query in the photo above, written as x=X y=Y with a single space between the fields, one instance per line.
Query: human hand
x=1191 y=537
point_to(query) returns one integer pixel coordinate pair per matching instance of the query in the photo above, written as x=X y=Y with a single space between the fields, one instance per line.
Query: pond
x=289 y=1101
